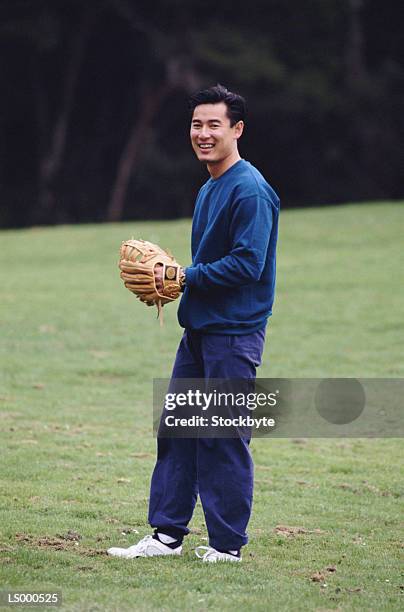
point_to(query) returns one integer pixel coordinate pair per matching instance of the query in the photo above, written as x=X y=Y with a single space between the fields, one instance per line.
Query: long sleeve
x=250 y=230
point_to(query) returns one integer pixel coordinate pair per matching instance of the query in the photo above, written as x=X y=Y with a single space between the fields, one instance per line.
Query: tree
x=176 y=72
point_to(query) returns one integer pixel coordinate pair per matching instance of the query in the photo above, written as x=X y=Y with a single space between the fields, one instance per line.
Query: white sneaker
x=211 y=555
x=147 y=547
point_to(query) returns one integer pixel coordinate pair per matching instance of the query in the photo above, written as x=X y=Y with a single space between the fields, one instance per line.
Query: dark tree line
x=93 y=117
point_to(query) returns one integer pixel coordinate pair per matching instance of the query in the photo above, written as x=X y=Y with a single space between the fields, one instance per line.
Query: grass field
x=78 y=355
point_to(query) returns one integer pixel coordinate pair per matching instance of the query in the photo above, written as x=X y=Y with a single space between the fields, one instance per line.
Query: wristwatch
x=182 y=279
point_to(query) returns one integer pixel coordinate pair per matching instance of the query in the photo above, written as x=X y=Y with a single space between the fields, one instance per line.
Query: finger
x=133 y=264
x=133 y=267
x=138 y=290
x=136 y=278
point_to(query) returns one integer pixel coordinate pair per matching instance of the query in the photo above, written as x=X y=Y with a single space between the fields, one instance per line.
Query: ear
x=238 y=129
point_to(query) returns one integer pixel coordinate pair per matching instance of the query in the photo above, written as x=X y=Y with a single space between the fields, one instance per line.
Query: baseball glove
x=139 y=261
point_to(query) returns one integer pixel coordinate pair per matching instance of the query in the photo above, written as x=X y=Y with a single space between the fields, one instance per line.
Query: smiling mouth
x=206 y=146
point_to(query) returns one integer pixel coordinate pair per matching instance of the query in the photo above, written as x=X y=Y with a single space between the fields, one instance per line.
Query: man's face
x=212 y=137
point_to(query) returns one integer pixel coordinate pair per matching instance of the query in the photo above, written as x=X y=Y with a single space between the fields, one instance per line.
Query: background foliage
x=94 y=123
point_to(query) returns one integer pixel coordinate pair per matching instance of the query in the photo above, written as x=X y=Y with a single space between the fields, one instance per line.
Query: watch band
x=182 y=279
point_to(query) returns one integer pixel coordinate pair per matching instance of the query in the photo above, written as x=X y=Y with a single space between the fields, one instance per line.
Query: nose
x=204 y=132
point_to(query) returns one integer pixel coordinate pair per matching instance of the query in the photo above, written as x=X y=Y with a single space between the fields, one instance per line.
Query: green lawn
x=78 y=356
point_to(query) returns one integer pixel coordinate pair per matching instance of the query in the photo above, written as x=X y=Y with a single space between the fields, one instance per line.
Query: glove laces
x=160 y=312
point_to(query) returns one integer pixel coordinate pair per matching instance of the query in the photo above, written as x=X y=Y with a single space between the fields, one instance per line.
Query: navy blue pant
x=219 y=469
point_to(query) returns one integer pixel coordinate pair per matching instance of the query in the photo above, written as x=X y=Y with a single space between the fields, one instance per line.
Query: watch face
x=171 y=273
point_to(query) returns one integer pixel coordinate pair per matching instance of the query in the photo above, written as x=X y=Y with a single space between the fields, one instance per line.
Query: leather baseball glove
x=151 y=273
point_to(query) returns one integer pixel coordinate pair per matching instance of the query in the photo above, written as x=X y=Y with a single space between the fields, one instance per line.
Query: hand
x=158 y=277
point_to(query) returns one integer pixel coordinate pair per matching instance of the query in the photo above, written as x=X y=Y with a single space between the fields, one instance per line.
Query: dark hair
x=236 y=105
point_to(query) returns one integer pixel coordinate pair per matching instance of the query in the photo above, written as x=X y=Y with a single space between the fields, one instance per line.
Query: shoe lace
x=143 y=543
x=204 y=552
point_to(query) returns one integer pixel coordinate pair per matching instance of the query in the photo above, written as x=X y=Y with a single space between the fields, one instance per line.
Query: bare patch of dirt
x=317 y=577
x=288 y=531
x=70 y=536
x=44 y=541
x=54 y=427
x=305 y=483
x=65 y=542
x=347 y=487
x=373 y=489
x=321 y=575
x=366 y=487
x=128 y=530
x=6 y=548
x=91 y=552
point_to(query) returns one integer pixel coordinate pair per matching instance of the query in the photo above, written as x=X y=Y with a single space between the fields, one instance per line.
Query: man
x=228 y=296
